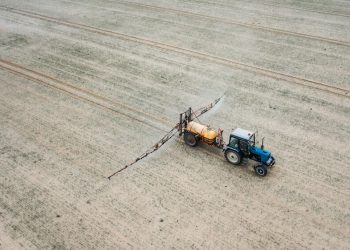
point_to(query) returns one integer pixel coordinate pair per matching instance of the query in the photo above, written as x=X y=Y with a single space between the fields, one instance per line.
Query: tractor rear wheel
x=233 y=157
x=260 y=170
x=190 y=139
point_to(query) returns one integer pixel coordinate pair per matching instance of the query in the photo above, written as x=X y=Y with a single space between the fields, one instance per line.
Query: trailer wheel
x=233 y=157
x=260 y=170
x=190 y=139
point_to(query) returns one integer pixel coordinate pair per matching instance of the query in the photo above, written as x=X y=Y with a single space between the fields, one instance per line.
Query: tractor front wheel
x=190 y=139
x=260 y=170
x=233 y=157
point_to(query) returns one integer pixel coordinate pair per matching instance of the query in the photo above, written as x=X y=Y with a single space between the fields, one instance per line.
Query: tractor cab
x=242 y=140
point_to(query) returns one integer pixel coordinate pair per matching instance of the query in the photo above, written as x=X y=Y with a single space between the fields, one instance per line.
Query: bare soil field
x=87 y=86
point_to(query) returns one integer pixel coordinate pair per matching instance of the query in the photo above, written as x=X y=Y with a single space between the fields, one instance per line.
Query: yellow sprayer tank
x=207 y=134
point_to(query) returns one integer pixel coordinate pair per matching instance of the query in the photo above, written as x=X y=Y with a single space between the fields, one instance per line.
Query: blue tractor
x=242 y=145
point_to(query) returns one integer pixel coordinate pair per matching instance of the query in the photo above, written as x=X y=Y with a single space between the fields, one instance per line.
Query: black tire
x=261 y=170
x=190 y=139
x=233 y=157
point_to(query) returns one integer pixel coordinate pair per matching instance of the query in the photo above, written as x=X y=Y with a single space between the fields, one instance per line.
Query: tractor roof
x=242 y=133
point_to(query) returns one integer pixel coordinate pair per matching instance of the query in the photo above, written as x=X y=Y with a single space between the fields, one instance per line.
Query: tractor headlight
x=270 y=161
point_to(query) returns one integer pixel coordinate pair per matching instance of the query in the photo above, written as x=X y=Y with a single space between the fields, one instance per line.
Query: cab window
x=233 y=142
x=243 y=145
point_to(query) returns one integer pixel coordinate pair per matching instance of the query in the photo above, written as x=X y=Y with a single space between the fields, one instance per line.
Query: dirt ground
x=87 y=86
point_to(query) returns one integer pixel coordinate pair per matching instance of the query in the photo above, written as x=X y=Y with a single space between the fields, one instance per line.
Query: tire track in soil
x=56 y=132
x=125 y=93
x=93 y=66
x=228 y=21
x=171 y=22
x=197 y=54
x=77 y=92
x=37 y=118
x=333 y=13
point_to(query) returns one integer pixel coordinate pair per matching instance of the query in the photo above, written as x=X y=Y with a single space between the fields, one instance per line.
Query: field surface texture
x=87 y=86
